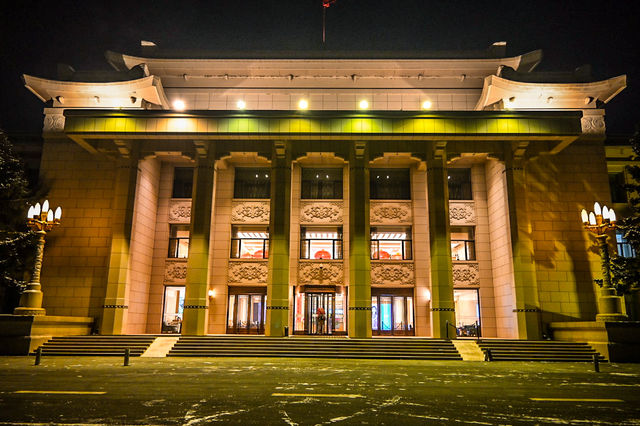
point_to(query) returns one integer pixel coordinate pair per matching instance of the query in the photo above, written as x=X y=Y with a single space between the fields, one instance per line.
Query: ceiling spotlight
x=303 y=104
x=241 y=104
x=364 y=104
x=179 y=105
x=426 y=104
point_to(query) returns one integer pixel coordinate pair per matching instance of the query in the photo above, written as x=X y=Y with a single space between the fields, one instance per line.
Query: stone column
x=359 y=251
x=194 y=322
x=114 y=314
x=527 y=307
x=442 y=307
x=279 y=231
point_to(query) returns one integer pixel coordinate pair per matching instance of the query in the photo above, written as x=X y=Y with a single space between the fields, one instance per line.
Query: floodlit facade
x=342 y=196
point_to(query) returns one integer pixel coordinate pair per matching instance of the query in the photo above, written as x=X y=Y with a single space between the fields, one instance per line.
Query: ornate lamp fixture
x=41 y=220
x=599 y=222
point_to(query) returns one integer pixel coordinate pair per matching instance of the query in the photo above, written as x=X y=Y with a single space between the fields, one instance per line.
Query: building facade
x=356 y=197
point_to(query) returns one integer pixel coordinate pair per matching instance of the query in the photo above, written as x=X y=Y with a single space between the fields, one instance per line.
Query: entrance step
x=537 y=350
x=97 y=345
x=260 y=346
x=160 y=347
x=469 y=350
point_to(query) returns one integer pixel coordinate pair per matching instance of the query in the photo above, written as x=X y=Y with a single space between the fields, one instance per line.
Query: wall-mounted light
x=179 y=105
x=241 y=104
x=426 y=294
x=426 y=104
x=364 y=104
x=212 y=293
x=303 y=104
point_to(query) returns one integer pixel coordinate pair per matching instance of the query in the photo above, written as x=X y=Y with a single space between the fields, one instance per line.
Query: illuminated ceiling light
x=303 y=104
x=426 y=104
x=179 y=105
x=363 y=104
x=241 y=104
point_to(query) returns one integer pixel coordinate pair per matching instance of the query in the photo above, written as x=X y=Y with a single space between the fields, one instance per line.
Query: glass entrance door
x=172 y=309
x=467 y=308
x=392 y=315
x=319 y=313
x=246 y=313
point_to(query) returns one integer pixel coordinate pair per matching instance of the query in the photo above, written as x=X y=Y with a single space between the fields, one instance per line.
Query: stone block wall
x=422 y=292
x=558 y=188
x=74 y=272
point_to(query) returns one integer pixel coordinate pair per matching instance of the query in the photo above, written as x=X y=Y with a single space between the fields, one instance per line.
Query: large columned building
x=357 y=196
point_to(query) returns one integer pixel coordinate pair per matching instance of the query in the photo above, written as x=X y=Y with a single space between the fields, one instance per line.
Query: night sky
x=36 y=35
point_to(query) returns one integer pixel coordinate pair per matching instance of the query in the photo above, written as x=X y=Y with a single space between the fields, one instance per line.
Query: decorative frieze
x=250 y=212
x=180 y=211
x=466 y=274
x=462 y=212
x=320 y=272
x=321 y=212
x=396 y=273
x=175 y=271
x=248 y=272
x=384 y=212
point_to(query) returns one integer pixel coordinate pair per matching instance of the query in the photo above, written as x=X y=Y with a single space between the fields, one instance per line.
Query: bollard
x=487 y=355
x=596 y=363
x=127 y=354
x=38 y=355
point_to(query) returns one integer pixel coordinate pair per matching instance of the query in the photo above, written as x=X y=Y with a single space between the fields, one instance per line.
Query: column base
x=29 y=311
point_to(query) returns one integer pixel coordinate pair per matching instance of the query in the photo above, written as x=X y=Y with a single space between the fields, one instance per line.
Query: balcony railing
x=178 y=248
x=249 y=248
x=463 y=249
x=391 y=250
x=321 y=249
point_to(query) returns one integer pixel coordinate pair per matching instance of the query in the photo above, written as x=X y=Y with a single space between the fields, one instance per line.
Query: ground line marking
x=577 y=399
x=61 y=392
x=321 y=395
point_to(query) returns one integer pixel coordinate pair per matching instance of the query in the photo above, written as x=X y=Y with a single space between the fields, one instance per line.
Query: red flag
x=327 y=3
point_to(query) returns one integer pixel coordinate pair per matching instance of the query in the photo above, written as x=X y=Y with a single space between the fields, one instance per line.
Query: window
x=616 y=186
x=463 y=246
x=624 y=249
x=459 y=184
x=249 y=242
x=390 y=184
x=321 y=184
x=182 y=182
x=391 y=243
x=252 y=183
x=178 y=241
x=321 y=242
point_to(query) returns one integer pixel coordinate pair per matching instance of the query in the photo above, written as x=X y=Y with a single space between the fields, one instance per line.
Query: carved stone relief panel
x=175 y=271
x=462 y=213
x=466 y=274
x=54 y=123
x=248 y=272
x=593 y=124
x=320 y=272
x=250 y=212
x=392 y=273
x=321 y=211
x=180 y=211
x=382 y=212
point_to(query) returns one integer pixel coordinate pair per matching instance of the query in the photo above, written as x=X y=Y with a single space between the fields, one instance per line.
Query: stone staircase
x=537 y=350
x=310 y=347
x=97 y=345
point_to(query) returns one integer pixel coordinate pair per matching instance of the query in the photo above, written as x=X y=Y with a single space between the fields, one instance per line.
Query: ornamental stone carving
x=466 y=274
x=321 y=212
x=248 y=272
x=175 y=271
x=390 y=212
x=250 y=212
x=54 y=123
x=462 y=213
x=593 y=124
x=320 y=273
x=180 y=211
x=392 y=273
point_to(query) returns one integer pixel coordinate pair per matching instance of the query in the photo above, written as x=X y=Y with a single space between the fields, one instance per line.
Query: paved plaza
x=195 y=391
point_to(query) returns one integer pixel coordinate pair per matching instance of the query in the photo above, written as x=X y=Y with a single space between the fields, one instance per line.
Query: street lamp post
x=599 y=222
x=41 y=220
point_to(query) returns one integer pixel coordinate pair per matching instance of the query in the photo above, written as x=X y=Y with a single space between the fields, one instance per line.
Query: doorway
x=467 y=308
x=172 y=309
x=247 y=311
x=392 y=312
x=318 y=312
